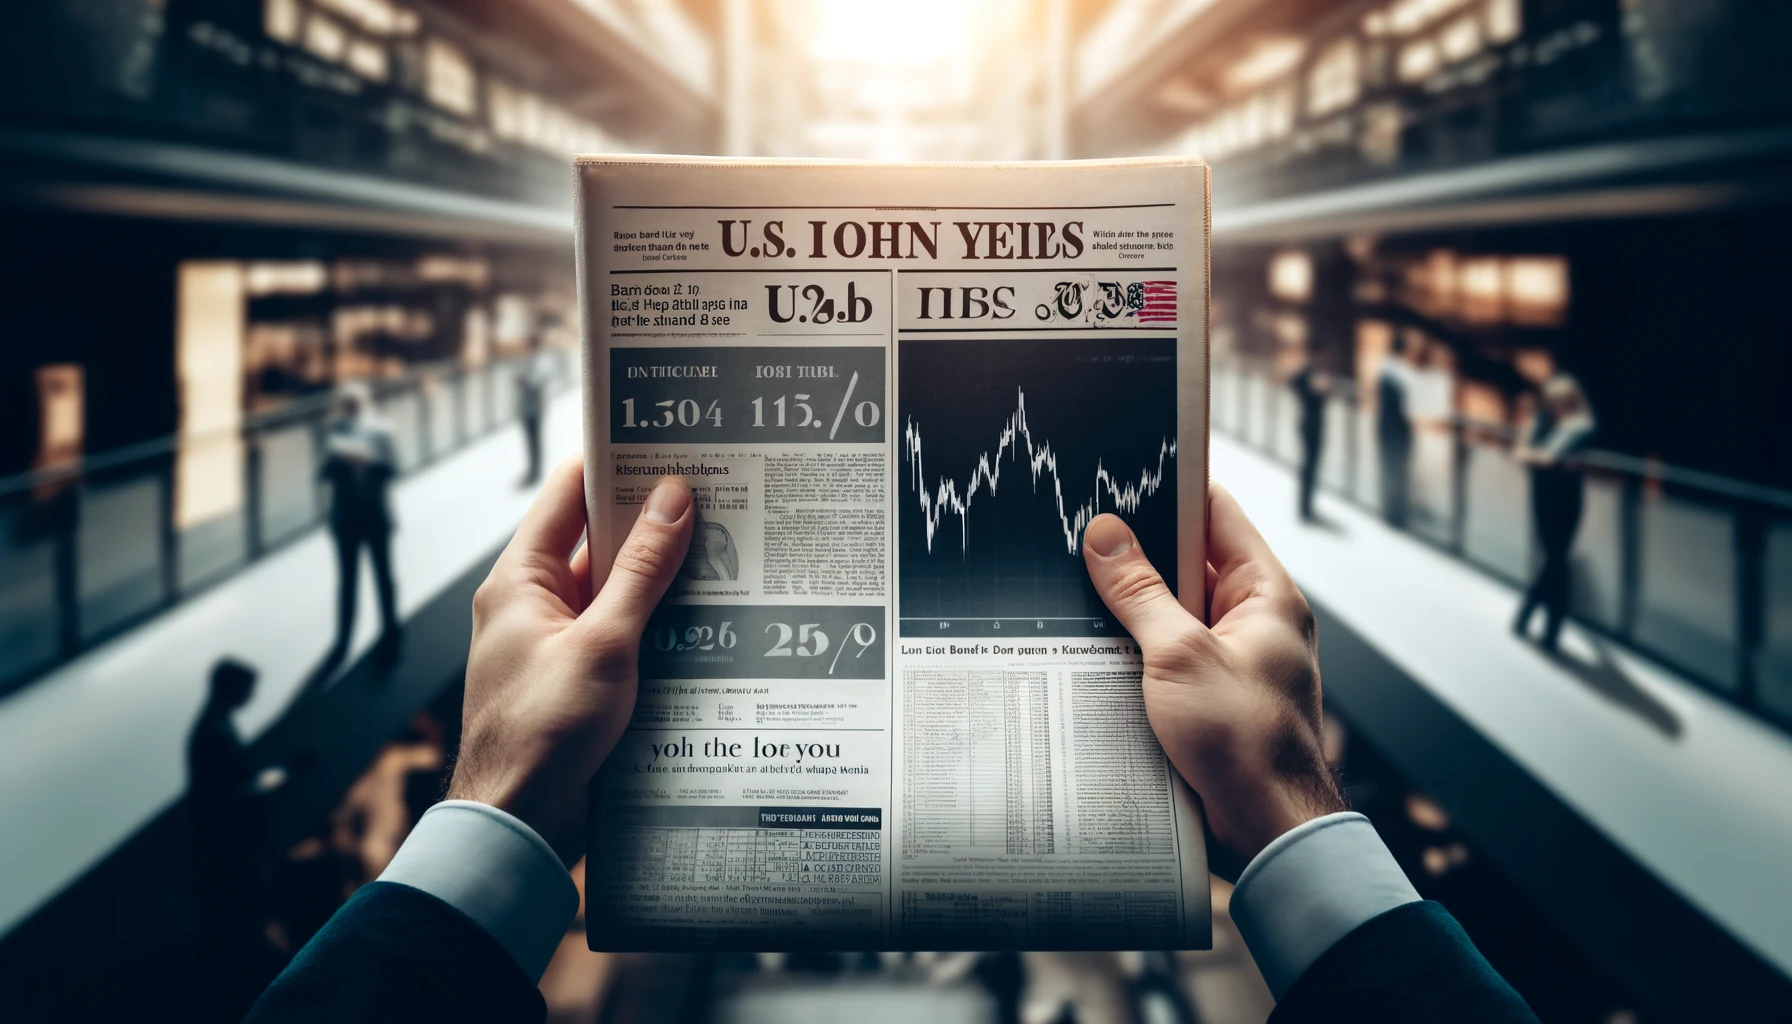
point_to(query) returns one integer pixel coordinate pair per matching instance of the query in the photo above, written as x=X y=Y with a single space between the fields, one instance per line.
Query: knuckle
x=486 y=600
x=1134 y=584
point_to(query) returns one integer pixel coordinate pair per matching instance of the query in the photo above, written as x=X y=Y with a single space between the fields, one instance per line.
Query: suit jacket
x=396 y=953
x=1412 y=965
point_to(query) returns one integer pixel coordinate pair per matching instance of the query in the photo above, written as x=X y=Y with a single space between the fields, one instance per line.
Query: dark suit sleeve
x=397 y=953
x=1412 y=964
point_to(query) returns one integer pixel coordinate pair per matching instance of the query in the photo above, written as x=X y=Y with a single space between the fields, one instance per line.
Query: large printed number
x=781 y=649
x=810 y=640
x=696 y=638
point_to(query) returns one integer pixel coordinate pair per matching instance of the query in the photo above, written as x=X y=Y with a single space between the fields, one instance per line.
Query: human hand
x=552 y=672
x=1236 y=706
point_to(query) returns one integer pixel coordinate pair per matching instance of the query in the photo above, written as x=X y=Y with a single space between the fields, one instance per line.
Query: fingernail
x=667 y=502
x=1108 y=536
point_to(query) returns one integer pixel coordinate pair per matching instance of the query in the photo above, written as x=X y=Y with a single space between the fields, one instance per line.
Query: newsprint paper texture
x=882 y=708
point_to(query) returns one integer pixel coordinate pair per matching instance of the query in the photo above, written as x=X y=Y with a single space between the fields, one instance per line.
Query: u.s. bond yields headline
x=1122 y=496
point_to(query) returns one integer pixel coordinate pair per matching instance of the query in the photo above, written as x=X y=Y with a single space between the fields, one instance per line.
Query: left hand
x=552 y=672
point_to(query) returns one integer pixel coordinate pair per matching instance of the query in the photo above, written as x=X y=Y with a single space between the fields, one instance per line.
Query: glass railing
x=91 y=547
x=1690 y=568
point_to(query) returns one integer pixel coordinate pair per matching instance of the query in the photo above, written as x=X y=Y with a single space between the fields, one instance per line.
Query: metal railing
x=94 y=546
x=1690 y=568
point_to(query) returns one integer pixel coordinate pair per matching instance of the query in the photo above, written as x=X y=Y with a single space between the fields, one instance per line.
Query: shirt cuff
x=1311 y=887
x=497 y=871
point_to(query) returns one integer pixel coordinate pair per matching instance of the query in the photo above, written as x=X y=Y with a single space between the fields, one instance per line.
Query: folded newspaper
x=882 y=707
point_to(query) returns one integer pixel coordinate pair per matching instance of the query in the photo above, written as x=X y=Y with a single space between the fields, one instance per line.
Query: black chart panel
x=1008 y=449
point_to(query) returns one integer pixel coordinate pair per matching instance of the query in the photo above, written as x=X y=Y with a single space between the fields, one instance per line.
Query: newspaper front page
x=881 y=707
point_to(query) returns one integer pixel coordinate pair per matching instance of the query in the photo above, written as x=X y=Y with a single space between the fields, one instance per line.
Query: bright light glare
x=1291 y=276
x=913 y=33
x=922 y=79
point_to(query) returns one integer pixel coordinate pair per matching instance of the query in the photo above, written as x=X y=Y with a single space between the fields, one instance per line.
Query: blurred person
x=463 y=922
x=531 y=400
x=1393 y=431
x=1311 y=387
x=226 y=799
x=360 y=461
x=1559 y=429
x=376 y=806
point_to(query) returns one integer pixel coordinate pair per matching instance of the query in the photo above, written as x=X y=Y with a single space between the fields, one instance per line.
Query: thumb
x=1132 y=588
x=650 y=557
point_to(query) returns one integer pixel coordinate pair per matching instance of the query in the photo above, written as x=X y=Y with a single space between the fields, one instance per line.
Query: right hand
x=1235 y=705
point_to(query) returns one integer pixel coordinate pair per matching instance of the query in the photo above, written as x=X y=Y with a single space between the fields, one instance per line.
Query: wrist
x=508 y=792
x=1276 y=811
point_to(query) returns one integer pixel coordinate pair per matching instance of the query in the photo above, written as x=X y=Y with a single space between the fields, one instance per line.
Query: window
x=280 y=19
x=304 y=277
x=1537 y=290
x=504 y=107
x=1418 y=59
x=1480 y=282
x=61 y=391
x=209 y=320
x=380 y=17
x=368 y=59
x=1380 y=141
x=1505 y=19
x=325 y=38
x=1334 y=81
x=1279 y=106
x=1461 y=39
x=448 y=78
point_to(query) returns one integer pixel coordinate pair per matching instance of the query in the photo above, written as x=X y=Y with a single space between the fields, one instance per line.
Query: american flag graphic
x=1159 y=305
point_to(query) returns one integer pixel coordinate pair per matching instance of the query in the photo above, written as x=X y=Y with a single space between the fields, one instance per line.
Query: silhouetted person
x=359 y=464
x=225 y=800
x=1558 y=431
x=1393 y=432
x=531 y=402
x=1311 y=385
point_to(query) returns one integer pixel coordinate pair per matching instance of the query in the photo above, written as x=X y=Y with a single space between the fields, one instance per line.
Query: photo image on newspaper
x=881 y=707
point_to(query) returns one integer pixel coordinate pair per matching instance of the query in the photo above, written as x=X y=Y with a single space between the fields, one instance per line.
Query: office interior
x=220 y=212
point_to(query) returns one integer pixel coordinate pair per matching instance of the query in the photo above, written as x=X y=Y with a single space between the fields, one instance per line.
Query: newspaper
x=882 y=707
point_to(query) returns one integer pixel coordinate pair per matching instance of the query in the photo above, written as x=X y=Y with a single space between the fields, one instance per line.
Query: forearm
x=1332 y=921
x=460 y=926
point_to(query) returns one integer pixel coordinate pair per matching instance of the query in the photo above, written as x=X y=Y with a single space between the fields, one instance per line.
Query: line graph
x=1123 y=497
x=1010 y=448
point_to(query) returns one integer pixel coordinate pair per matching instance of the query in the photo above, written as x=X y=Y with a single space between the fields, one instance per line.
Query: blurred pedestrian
x=359 y=464
x=1393 y=432
x=531 y=400
x=226 y=799
x=1559 y=430
x=1311 y=388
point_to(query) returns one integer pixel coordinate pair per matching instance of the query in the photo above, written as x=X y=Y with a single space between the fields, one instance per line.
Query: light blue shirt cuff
x=497 y=871
x=1311 y=887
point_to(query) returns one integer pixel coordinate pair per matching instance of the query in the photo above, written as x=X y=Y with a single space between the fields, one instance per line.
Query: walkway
x=1691 y=788
x=95 y=750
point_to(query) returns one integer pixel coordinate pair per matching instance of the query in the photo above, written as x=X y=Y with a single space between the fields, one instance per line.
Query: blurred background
x=1500 y=367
